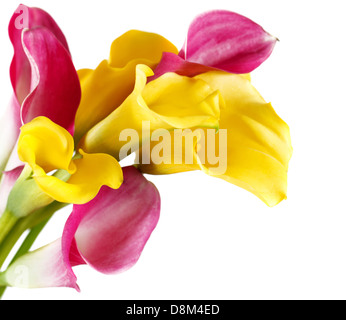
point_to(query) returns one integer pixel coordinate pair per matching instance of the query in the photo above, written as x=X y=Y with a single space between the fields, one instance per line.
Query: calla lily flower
x=258 y=141
x=109 y=234
x=43 y=77
x=105 y=88
x=221 y=40
x=47 y=147
x=169 y=102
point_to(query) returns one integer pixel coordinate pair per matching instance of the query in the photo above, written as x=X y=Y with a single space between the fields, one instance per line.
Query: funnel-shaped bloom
x=221 y=40
x=108 y=233
x=47 y=147
x=105 y=88
x=258 y=145
x=44 y=80
x=28 y=18
x=169 y=102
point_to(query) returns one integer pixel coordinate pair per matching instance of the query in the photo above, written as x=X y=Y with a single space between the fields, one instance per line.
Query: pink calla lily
x=221 y=40
x=20 y=70
x=55 y=89
x=44 y=80
x=108 y=233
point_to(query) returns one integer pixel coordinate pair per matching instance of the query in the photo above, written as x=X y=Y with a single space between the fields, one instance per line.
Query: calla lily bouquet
x=65 y=132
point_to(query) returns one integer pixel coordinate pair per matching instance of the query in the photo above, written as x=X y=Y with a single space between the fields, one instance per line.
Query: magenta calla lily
x=55 y=85
x=20 y=70
x=44 y=80
x=221 y=40
x=108 y=233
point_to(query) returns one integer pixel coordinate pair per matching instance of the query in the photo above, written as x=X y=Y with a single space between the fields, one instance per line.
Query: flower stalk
x=16 y=228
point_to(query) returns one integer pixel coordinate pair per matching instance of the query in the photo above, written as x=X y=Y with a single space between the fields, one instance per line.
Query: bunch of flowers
x=65 y=131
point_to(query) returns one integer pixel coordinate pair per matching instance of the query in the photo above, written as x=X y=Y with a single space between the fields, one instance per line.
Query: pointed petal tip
x=227 y=41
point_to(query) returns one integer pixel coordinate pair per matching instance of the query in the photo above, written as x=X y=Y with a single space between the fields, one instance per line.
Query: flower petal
x=227 y=41
x=258 y=142
x=106 y=87
x=9 y=132
x=171 y=101
x=27 y=18
x=21 y=73
x=109 y=233
x=55 y=89
x=134 y=45
x=47 y=145
x=92 y=172
x=114 y=227
x=42 y=268
x=171 y=62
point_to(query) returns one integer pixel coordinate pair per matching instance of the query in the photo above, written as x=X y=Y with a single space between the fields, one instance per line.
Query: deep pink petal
x=27 y=18
x=112 y=229
x=227 y=41
x=55 y=89
x=171 y=62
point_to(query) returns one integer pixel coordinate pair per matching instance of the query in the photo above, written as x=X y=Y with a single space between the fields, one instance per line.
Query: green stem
x=29 y=240
x=2 y=291
x=25 y=247
x=35 y=222
x=23 y=224
x=7 y=221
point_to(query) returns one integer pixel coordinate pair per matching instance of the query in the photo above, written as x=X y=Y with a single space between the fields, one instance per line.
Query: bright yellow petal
x=183 y=102
x=169 y=102
x=258 y=142
x=139 y=45
x=180 y=157
x=93 y=171
x=42 y=143
x=106 y=87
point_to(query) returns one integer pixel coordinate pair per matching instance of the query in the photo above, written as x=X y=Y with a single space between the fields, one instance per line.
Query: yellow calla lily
x=169 y=102
x=106 y=87
x=46 y=147
x=258 y=141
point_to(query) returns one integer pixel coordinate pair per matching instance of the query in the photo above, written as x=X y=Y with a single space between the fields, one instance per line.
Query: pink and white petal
x=114 y=227
x=27 y=18
x=7 y=182
x=109 y=233
x=227 y=41
x=41 y=268
x=14 y=161
x=10 y=124
x=55 y=88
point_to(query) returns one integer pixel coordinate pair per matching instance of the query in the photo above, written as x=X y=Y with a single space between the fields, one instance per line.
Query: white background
x=214 y=240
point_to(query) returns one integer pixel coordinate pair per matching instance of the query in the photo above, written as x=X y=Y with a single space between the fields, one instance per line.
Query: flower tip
x=76 y=287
